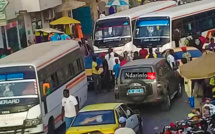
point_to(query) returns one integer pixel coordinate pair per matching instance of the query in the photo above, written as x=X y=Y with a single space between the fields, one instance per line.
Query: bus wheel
x=51 y=126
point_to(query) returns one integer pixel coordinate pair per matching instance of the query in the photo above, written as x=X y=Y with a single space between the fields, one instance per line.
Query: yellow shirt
x=37 y=33
x=94 y=65
x=155 y=56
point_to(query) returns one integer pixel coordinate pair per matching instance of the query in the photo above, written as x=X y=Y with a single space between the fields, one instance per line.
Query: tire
x=51 y=126
x=166 y=105
x=180 y=90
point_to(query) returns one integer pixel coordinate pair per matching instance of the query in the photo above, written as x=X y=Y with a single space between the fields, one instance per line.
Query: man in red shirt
x=143 y=52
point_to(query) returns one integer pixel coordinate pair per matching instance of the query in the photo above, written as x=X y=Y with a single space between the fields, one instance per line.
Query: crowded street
x=107 y=67
x=153 y=120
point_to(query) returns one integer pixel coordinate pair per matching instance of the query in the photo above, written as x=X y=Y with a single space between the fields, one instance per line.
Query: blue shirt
x=64 y=37
x=55 y=37
x=116 y=69
x=159 y=56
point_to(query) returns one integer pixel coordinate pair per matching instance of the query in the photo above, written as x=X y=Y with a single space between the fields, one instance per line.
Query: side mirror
x=128 y=112
x=46 y=88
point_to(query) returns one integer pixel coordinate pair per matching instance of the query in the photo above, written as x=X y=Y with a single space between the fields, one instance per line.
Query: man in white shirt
x=123 y=129
x=69 y=108
x=110 y=57
x=171 y=58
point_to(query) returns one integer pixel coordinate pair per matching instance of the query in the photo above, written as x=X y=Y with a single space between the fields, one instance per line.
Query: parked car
x=148 y=81
x=103 y=118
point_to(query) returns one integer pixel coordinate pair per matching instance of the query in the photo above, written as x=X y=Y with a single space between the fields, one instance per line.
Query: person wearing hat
x=123 y=129
x=186 y=54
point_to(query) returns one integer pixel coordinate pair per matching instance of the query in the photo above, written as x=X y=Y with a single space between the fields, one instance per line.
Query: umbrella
x=48 y=30
x=64 y=21
x=68 y=6
x=117 y=3
x=200 y=68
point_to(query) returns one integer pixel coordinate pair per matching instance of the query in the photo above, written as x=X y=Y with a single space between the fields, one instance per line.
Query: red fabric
x=14 y=24
x=143 y=53
x=203 y=40
x=102 y=55
x=172 y=125
x=184 y=49
x=123 y=62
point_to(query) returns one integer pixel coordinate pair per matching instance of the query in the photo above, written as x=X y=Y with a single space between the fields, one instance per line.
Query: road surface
x=153 y=118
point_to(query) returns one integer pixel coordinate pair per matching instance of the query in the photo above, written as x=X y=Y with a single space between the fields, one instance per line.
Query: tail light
x=116 y=91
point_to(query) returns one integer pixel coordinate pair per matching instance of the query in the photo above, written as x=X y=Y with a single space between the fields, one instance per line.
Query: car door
x=171 y=77
x=132 y=119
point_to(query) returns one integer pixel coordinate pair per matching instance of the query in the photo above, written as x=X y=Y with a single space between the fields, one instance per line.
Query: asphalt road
x=153 y=118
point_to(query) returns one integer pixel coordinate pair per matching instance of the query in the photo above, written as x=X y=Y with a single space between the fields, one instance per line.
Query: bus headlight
x=32 y=122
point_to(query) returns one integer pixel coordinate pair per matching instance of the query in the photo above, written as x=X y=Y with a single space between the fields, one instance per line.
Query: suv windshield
x=94 y=118
x=129 y=74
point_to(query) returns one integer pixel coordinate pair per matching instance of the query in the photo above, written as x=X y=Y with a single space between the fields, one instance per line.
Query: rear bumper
x=145 y=101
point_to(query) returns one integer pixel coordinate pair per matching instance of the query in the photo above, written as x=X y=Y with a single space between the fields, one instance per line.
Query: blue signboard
x=16 y=76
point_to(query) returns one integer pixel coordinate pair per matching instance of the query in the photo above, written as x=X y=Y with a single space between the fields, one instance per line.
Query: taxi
x=103 y=119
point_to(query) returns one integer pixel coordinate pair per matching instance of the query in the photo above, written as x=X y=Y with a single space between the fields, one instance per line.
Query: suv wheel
x=180 y=90
x=165 y=106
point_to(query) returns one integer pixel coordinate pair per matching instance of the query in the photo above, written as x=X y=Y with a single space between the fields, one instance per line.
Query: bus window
x=60 y=76
x=67 y=71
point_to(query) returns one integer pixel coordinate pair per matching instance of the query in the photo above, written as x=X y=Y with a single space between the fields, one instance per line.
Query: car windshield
x=135 y=73
x=112 y=28
x=94 y=118
x=153 y=30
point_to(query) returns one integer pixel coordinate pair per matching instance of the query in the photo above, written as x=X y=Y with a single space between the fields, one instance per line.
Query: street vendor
x=198 y=93
x=212 y=84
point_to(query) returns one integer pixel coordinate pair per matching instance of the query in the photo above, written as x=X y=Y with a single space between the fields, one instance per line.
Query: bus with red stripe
x=170 y=28
x=116 y=30
x=32 y=81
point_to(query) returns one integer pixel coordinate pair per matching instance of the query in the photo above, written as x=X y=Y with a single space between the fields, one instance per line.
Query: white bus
x=32 y=81
x=171 y=27
x=116 y=30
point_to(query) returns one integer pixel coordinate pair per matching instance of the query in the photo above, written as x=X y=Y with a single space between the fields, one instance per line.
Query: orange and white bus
x=32 y=81
x=162 y=29
x=116 y=30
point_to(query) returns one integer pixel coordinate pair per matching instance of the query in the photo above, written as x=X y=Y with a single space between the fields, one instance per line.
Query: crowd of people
x=111 y=65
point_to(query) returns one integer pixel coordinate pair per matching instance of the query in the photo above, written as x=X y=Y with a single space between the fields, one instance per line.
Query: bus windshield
x=18 y=86
x=153 y=31
x=112 y=28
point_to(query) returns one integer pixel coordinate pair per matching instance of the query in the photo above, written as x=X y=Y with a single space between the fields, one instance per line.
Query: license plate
x=135 y=91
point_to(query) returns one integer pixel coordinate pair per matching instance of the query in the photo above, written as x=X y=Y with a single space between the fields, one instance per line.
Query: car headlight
x=32 y=122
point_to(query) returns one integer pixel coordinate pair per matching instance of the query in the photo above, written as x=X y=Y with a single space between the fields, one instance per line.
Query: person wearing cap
x=123 y=129
x=186 y=54
x=105 y=74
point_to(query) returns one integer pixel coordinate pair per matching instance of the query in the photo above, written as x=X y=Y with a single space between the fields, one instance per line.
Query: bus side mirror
x=46 y=88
